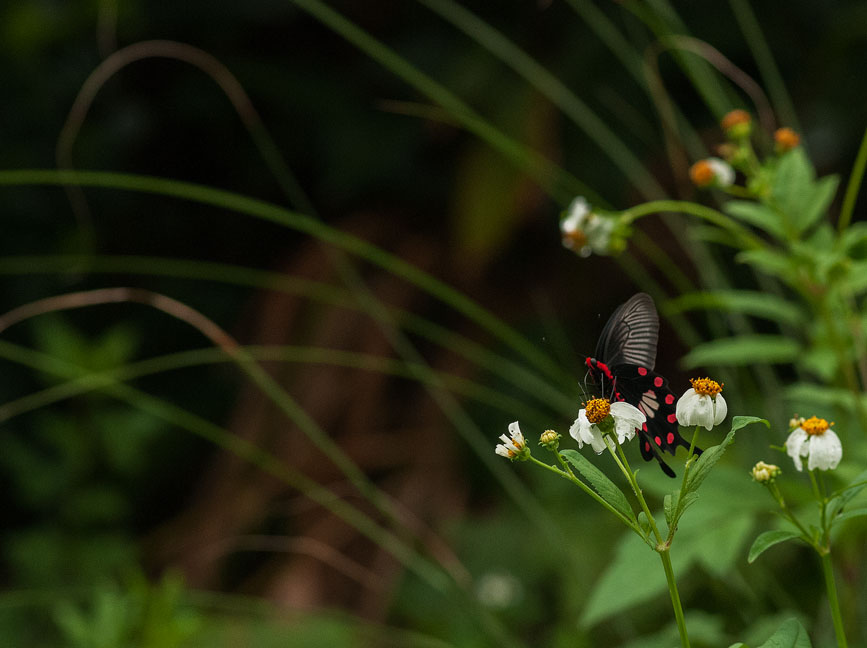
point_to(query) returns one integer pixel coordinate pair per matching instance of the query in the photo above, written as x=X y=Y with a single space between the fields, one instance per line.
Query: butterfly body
x=623 y=370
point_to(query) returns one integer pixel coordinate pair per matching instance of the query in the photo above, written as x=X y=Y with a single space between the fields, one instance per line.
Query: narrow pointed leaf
x=768 y=539
x=742 y=351
x=606 y=488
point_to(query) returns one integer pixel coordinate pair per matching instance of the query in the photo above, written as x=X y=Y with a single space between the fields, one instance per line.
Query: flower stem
x=853 y=186
x=719 y=219
x=662 y=547
x=675 y=598
x=828 y=570
x=568 y=475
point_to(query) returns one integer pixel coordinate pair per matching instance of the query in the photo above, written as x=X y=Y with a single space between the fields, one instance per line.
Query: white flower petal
x=575 y=215
x=515 y=432
x=795 y=447
x=825 y=451
x=722 y=171
x=626 y=419
x=502 y=450
x=695 y=409
x=720 y=409
x=583 y=431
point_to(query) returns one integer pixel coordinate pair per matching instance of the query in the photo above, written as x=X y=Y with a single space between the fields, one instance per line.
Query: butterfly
x=623 y=366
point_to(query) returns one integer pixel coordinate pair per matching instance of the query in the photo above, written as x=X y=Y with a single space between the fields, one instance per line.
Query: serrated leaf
x=816 y=205
x=700 y=469
x=770 y=262
x=606 y=488
x=669 y=506
x=757 y=215
x=748 y=302
x=768 y=539
x=790 y=635
x=742 y=351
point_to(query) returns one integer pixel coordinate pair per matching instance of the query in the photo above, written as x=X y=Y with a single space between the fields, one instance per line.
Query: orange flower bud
x=786 y=139
x=701 y=173
x=735 y=118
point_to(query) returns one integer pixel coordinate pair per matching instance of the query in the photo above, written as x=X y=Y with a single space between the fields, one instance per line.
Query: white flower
x=702 y=404
x=514 y=448
x=723 y=172
x=586 y=231
x=815 y=440
x=585 y=429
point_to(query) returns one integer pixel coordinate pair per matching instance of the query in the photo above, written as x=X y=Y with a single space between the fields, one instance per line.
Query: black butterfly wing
x=631 y=334
x=650 y=393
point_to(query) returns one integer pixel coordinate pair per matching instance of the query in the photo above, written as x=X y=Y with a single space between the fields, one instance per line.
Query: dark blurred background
x=96 y=493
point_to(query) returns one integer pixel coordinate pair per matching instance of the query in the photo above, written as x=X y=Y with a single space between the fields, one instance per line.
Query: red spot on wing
x=672 y=418
x=658 y=441
x=644 y=426
x=669 y=399
x=658 y=381
x=642 y=371
x=670 y=438
x=646 y=446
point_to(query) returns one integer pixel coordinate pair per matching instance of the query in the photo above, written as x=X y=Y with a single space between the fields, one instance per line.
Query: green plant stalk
x=850 y=372
x=228 y=274
x=663 y=548
x=833 y=602
x=303 y=223
x=713 y=216
x=432 y=573
x=853 y=185
x=675 y=597
x=787 y=513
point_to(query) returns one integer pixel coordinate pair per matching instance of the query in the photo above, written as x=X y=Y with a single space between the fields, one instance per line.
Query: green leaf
x=669 y=506
x=845 y=495
x=606 y=488
x=792 y=187
x=770 y=262
x=789 y=635
x=748 y=302
x=768 y=539
x=699 y=471
x=819 y=396
x=848 y=515
x=757 y=215
x=743 y=350
x=820 y=197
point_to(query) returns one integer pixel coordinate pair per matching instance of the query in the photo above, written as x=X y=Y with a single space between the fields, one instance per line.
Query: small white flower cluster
x=585 y=231
x=514 y=447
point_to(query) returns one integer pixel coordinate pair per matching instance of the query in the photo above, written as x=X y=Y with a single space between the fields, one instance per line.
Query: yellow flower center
x=816 y=426
x=575 y=239
x=597 y=409
x=706 y=386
